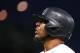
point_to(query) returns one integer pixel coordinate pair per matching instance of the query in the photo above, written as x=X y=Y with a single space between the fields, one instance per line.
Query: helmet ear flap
x=52 y=30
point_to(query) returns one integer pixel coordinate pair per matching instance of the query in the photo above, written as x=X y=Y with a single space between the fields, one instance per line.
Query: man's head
x=41 y=33
x=54 y=22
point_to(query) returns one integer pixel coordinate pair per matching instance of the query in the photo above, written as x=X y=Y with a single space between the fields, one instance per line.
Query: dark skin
x=41 y=33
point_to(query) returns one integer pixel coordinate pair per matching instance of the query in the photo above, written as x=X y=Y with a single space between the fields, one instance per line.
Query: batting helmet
x=58 y=22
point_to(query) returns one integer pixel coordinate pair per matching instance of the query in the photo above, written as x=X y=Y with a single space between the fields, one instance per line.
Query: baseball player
x=53 y=28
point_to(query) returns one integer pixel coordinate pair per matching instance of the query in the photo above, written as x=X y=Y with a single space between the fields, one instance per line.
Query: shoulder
x=63 y=49
x=42 y=52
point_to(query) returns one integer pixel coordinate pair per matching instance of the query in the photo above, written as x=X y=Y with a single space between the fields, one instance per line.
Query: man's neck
x=51 y=44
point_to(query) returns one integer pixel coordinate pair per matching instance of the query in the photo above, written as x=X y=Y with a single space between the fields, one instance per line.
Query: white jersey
x=62 y=48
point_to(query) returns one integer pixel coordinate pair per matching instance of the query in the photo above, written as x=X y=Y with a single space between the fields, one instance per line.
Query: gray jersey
x=62 y=48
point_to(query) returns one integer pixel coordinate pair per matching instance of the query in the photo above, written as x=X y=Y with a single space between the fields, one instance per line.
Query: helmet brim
x=40 y=18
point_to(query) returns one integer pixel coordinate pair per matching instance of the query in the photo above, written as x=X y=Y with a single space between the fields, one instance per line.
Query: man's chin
x=37 y=38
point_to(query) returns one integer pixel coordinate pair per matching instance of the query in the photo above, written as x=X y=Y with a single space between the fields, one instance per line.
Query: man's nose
x=37 y=25
x=37 y=28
